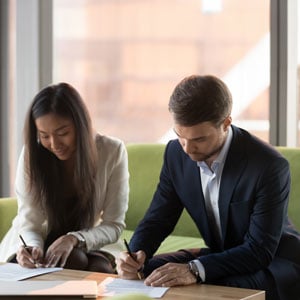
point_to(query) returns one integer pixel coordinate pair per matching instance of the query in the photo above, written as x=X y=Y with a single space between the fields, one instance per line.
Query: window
x=298 y=74
x=125 y=58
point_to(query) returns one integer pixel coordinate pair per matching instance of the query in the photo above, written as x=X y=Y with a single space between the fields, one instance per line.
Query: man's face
x=204 y=141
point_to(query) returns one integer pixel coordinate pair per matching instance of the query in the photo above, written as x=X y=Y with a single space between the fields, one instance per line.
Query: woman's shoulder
x=109 y=141
x=109 y=144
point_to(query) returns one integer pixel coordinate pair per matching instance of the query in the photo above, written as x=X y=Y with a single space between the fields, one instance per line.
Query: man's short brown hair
x=198 y=99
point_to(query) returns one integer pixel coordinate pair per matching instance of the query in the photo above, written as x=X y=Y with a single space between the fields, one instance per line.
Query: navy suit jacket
x=253 y=200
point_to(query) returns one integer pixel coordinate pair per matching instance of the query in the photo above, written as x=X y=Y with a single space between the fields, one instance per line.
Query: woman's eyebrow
x=57 y=129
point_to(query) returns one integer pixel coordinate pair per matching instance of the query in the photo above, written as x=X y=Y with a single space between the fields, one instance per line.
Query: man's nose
x=187 y=146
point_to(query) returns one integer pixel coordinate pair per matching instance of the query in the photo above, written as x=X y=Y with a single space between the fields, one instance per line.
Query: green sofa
x=145 y=162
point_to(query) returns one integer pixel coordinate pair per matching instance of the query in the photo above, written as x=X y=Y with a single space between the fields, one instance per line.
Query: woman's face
x=57 y=134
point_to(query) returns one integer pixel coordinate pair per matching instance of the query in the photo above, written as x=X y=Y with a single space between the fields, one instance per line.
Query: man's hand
x=171 y=274
x=128 y=267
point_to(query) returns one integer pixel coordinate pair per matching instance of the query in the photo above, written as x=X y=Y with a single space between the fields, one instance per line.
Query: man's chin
x=196 y=157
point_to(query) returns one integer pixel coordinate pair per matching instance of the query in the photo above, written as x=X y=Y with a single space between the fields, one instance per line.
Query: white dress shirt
x=210 y=181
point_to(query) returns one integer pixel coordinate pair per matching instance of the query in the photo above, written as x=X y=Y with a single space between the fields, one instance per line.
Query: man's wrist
x=195 y=271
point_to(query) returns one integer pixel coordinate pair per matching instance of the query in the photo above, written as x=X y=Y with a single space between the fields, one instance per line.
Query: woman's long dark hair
x=44 y=169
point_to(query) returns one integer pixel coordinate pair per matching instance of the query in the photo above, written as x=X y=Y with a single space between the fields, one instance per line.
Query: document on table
x=14 y=272
x=116 y=286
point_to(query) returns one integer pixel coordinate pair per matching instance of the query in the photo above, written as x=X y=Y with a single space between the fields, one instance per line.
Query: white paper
x=14 y=272
x=116 y=286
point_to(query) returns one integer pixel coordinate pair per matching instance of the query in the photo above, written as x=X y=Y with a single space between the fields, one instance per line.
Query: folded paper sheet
x=116 y=286
x=14 y=272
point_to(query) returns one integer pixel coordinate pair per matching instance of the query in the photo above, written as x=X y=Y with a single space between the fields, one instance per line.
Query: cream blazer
x=112 y=203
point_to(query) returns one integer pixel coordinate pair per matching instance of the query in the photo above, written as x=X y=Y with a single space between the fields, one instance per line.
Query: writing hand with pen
x=129 y=264
x=29 y=257
x=56 y=255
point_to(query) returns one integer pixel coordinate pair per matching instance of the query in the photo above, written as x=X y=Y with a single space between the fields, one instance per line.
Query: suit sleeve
x=161 y=216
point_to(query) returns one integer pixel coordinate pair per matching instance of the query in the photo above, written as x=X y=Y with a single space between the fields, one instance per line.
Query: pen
x=131 y=255
x=27 y=249
x=23 y=242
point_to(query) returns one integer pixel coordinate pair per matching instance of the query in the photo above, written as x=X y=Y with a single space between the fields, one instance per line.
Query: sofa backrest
x=293 y=156
x=145 y=161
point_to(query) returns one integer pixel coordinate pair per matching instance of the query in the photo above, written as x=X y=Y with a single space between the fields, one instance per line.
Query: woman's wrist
x=72 y=239
x=78 y=239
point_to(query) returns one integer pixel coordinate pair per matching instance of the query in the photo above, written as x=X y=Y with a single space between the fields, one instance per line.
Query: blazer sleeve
x=161 y=216
x=112 y=196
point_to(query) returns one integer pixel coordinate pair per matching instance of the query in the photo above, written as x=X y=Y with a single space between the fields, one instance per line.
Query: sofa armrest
x=8 y=210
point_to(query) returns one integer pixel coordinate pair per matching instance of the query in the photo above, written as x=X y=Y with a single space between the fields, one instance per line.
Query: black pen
x=131 y=255
x=27 y=249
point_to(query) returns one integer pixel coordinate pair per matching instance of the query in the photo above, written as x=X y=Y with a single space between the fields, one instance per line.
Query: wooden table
x=191 y=292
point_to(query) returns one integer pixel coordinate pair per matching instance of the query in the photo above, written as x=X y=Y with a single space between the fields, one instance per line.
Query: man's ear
x=227 y=123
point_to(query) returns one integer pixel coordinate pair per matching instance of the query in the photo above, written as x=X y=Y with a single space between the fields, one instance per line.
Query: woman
x=71 y=185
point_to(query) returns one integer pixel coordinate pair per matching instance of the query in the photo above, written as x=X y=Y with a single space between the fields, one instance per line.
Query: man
x=235 y=188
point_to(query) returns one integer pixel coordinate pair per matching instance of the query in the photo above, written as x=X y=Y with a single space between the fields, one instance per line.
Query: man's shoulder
x=174 y=148
x=173 y=143
x=176 y=157
x=251 y=144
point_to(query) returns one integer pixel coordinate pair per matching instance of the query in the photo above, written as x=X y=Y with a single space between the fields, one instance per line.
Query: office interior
x=28 y=56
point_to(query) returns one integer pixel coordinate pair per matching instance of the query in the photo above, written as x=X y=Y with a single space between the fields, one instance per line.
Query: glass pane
x=125 y=57
x=298 y=74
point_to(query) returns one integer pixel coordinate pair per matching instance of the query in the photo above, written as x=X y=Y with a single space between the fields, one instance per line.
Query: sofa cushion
x=172 y=242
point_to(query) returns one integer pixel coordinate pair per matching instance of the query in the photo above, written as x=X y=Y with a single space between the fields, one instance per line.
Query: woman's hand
x=30 y=257
x=59 y=251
